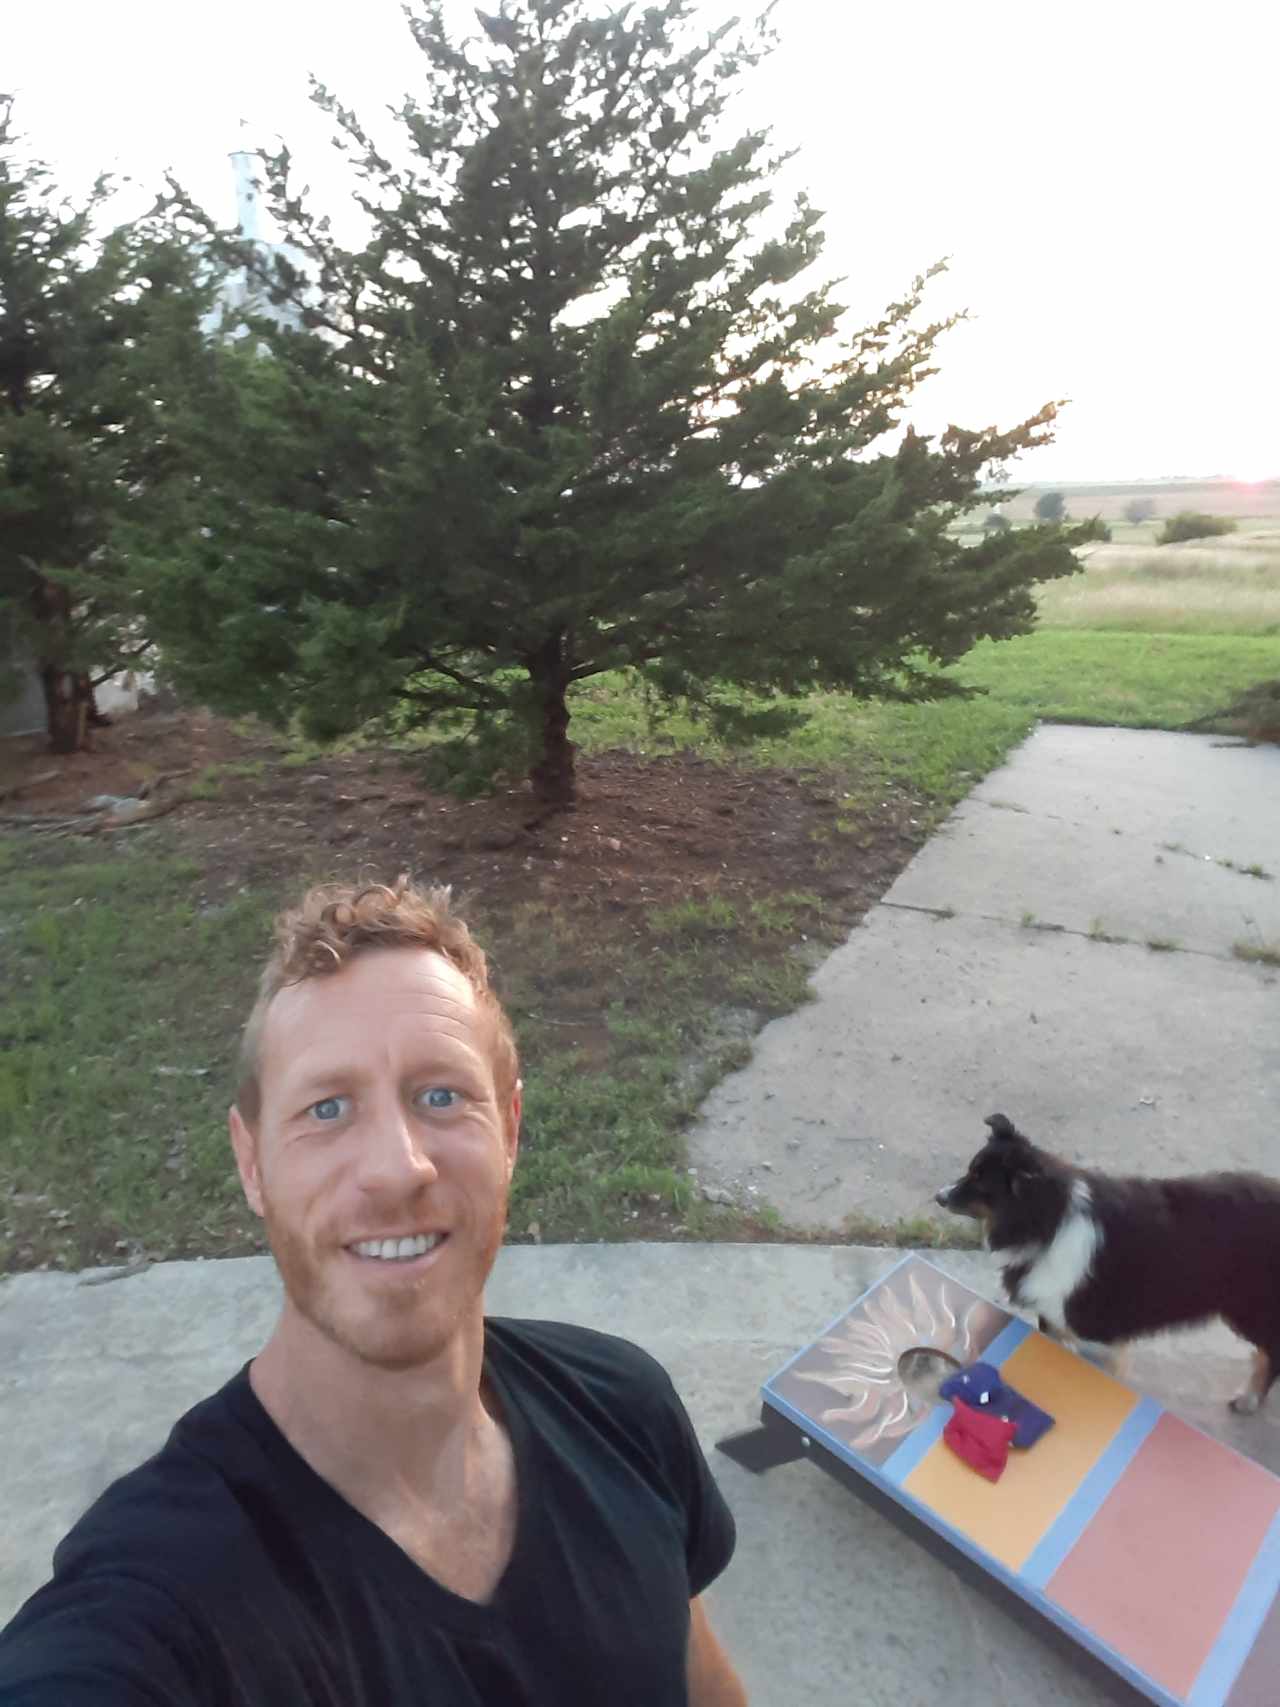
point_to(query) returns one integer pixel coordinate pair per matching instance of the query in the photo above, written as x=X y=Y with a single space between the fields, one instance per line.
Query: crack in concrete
x=1254 y=868
x=1048 y=928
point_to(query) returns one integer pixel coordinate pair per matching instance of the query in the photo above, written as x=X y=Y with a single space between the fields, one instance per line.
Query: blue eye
x=438 y=1097
x=328 y=1109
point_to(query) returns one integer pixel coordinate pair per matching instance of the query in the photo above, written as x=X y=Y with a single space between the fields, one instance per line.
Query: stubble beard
x=396 y=1330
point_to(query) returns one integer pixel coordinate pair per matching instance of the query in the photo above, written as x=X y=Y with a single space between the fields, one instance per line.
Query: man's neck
x=381 y=1437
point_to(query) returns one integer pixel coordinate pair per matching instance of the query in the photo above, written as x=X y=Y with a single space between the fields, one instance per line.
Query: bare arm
x=712 y=1680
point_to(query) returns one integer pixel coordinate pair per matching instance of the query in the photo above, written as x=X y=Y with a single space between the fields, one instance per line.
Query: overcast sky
x=1104 y=176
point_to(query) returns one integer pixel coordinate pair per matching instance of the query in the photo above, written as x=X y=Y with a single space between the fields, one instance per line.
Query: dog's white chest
x=1056 y=1270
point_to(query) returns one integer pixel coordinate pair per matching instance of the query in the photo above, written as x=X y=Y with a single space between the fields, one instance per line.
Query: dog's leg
x=1062 y=1334
x=1120 y=1360
x=1259 y=1384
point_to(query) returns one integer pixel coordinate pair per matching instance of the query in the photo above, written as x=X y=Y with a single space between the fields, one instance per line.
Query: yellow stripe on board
x=1009 y=1517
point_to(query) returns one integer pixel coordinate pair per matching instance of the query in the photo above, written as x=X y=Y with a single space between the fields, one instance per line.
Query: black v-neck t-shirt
x=224 y=1572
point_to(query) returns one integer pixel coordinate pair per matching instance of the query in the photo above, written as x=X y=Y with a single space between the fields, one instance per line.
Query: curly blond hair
x=332 y=924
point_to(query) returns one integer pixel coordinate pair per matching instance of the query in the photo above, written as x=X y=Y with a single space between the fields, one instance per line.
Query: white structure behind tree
x=22 y=709
x=243 y=291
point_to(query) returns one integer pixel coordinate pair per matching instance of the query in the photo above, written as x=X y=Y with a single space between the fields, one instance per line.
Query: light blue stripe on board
x=1084 y=1505
x=923 y=1437
x=1241 y=1626
x=1006 y=1342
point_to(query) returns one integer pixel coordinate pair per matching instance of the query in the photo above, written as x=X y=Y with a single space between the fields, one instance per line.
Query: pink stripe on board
x=1159 y=1568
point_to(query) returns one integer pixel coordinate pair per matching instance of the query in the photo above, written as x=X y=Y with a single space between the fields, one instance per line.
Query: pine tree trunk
x=67 y=698
x=552 y=776
x=96 y=719
x=68 y=694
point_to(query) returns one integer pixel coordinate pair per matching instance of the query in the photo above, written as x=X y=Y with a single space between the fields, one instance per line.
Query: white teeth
x=397 y=1250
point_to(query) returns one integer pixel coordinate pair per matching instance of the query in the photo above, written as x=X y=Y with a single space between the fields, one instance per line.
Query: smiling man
x=399 y=1501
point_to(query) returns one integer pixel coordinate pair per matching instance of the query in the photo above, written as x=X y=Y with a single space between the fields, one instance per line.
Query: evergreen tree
x=92 y=334
x=573 y=408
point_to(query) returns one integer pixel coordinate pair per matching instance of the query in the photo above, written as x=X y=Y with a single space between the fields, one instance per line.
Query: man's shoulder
x=174 y=1516
x=602 y=1406
x=599 y=1360
x=572 y=1379
x=141 y=1579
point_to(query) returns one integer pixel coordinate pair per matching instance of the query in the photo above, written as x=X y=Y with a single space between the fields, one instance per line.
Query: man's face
x=380 y=1121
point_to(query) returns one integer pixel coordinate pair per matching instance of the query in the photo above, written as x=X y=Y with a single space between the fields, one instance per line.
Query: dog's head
x=1008 y=1180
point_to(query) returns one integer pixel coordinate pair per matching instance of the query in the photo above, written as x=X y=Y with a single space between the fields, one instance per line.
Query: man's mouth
x=406 y=1249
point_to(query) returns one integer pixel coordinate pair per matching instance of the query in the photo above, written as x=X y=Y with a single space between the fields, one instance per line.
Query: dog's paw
x=1246 y=1403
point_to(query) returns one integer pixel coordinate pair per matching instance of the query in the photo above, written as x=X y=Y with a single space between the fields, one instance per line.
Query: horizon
x=1138 y=480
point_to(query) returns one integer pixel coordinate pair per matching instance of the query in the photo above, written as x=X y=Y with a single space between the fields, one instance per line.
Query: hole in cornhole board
x=922 y=1369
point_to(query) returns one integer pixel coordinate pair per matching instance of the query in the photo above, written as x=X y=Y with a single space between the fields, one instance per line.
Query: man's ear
x=512 y=1134
x=245 y=1145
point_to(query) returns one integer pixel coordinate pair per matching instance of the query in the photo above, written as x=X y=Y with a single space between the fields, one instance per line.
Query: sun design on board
x=867 y=1345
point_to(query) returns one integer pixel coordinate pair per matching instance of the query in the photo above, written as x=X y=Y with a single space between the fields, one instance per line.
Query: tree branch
x=486 y=694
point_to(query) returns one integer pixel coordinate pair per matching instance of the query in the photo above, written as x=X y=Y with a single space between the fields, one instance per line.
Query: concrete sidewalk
x=826 y=1602
x=1010 y=967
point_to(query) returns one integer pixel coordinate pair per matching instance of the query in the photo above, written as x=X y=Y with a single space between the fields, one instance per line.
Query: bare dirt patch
x=647 y=830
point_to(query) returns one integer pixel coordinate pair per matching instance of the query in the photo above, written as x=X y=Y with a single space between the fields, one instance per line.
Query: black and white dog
x=1109 y=1260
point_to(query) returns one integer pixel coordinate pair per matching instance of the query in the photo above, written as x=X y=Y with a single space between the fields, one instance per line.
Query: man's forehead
x=378 y=980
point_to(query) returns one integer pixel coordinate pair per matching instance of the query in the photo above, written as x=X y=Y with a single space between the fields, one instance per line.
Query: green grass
x=693 y=919
x=913 y=1232
x=1224 y=586
x=207 y=785
x=109 y=973
x=1098 y=932
x=1260 y=953
x=1140 y=680
x=935 y=749
x=1157 y=681
x=121 y=998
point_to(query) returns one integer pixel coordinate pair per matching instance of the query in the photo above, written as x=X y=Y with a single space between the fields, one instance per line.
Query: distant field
x=1229 y=585
x=1258 y=501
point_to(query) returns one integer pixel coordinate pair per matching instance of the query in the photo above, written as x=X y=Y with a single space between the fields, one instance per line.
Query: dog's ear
x=1002 y=1127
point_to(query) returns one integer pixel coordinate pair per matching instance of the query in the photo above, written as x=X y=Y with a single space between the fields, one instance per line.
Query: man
x=398 y=1502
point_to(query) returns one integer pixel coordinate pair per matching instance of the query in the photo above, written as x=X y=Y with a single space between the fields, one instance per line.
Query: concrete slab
x=824 y=1597
x=863 y=1102
x=1213 y=796
x=868 y=1099
x=1131 y=833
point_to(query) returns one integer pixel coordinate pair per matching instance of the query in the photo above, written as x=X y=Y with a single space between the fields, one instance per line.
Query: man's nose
x=395 y=1149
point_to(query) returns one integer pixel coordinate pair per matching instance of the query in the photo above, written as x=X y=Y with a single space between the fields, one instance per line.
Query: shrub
x=1193 y=524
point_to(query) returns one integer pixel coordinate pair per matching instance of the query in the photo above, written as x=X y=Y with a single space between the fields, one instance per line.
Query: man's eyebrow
x=330 y=1074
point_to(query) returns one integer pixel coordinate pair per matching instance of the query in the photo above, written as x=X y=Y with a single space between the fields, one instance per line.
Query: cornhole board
x=1152 y=1546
